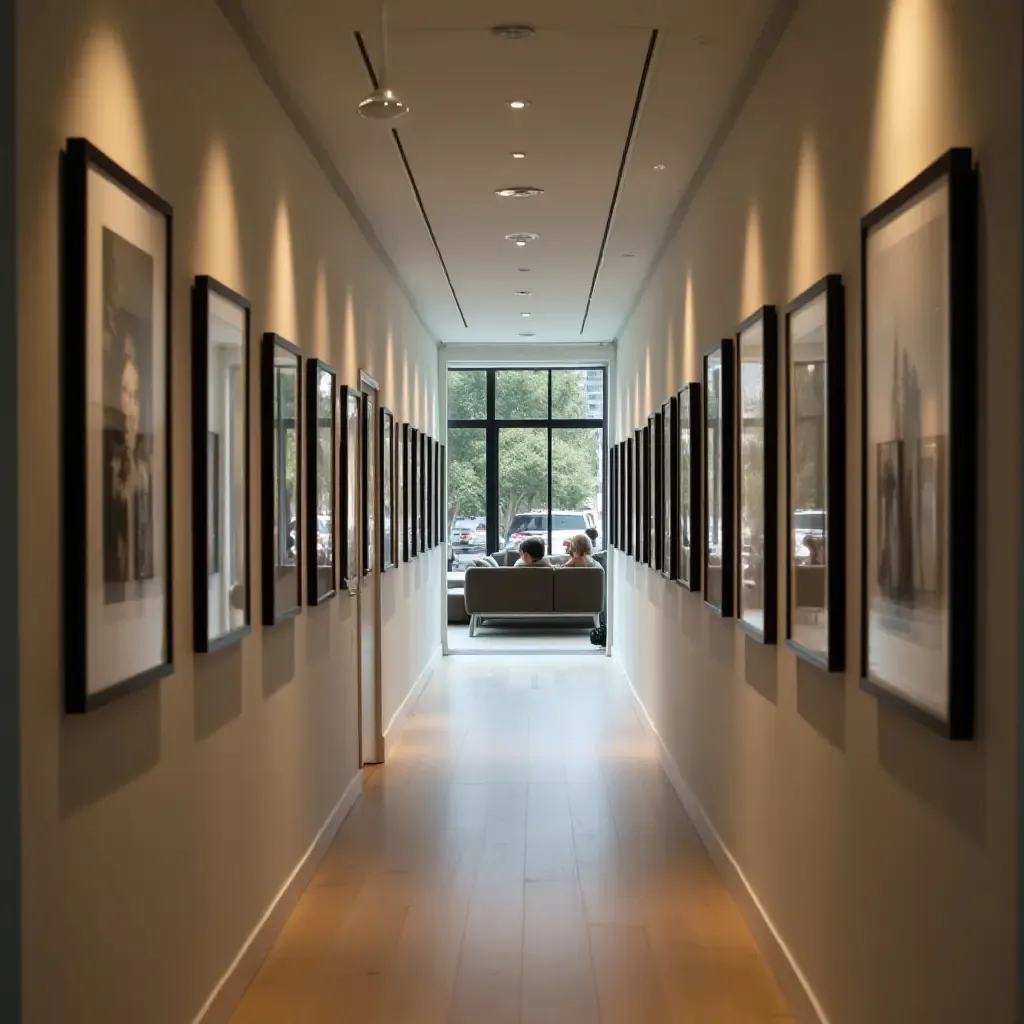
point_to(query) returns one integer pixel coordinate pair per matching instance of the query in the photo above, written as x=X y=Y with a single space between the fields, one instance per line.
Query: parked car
x=468 y=539
x=563 y=525
x=808 y=525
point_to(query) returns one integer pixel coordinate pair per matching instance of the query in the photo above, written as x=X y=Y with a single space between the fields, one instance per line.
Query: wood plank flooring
x=521 y=859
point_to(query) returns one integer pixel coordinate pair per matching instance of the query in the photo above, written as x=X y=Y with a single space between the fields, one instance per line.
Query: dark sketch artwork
x=128 y=531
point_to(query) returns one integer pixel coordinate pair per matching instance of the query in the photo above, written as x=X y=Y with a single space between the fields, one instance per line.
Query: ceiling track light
x=383 y=104
x=519 y=192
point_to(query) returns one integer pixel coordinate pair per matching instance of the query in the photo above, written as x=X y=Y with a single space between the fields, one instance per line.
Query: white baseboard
x=229 y=990
x=804 y=1004
x=394 y=728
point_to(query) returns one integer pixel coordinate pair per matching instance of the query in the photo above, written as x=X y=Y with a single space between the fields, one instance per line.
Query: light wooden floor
x=521 y=859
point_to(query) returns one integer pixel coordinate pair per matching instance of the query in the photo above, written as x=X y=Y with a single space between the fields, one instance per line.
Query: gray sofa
x=533 y=593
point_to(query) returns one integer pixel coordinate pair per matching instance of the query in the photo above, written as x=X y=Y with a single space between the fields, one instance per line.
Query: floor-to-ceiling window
x=525 y=458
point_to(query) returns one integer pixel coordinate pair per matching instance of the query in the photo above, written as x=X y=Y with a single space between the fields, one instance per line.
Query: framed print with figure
x=220 y=467
x=351 y=405
x=719 y=522
x=816 y=475
x=321 y=481
x=919 y=394
x=689 y=483
x=116 y=369
x=669 y=488
x=757 y=477
x=388 y=533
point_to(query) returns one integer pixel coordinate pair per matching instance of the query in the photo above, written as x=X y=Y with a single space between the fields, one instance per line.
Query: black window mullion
x=550 y=433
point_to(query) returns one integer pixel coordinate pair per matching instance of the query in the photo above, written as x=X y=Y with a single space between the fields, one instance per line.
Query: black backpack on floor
x=597 y=636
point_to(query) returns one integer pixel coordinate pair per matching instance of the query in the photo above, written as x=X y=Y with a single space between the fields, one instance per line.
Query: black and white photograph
x=117 y=430
x=689 y=485
x=321 y=481
x=918 y=250
x=428 y=493
x=408 y=496
x=369 y=490
x=757 y=479
x=816 y=475
x=654 y=490
x=628 y=488
x=220 y=473
x=669 y=488
x=387 y=490
x=421 y=493
x=351 y=410
x=718 y=532
x=641 y=537
x=281 y=435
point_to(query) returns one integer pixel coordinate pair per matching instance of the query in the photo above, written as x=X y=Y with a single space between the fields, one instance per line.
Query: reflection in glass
x=667 y=480
x=639 y=483
x=686 y=509
x=653 y=497
x=387 y=526
x=369 y=482
x=350 y=514
x=422 y=484
x=714 y=501
x=808 y=527
x=285 y=479
x=320 y=488
x=752 y=477
x=521 y=394
x=227 y=531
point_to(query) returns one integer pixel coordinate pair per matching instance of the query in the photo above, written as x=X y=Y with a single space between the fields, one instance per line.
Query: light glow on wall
x=691 y=351
x=281 y=313
x=809 y=255
x=752 y=289
x=321 y=316
x=217 y=247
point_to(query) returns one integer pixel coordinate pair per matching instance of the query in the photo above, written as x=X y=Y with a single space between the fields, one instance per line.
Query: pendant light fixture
x=383 y=104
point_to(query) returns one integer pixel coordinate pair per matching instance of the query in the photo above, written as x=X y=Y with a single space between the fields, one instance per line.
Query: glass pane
x=714 y=504
x=387 y=525
x=522 y=485
x=467 y=495
x=324 y=482
x=577 y=394
x=686 y=509
x=576 y=486
x=639 y=501
x=666 y=489
x=369 y=482
x=286 y=495
x=467 y=394
x=225 y=466
x=808 y=528
x=351 y=515
x=521 y=394
x=752 y=480
x=653 y=497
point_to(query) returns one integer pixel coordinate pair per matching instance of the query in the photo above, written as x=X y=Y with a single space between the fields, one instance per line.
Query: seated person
x=579 y=553
x=593 y=535
x=531 y=552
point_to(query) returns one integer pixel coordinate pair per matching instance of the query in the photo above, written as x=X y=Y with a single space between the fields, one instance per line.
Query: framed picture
x=719 y=527
x=388 y=533
x=321 y=485
x=640 y=535
x=415 y=477
x=117 y=431
x=351 y=415
x=623 y=528
x=369 y=494
x=442 y=495
x=281 y=436
x=816 y=475
x=757 y=480
x=669 y=488
x=428 y=493
x=628 y=487
x=612 y=495
x=421 y=493
x=688 y=484
x=919 y=381
x=654 y=526
x=408 y=500
x=220 y=468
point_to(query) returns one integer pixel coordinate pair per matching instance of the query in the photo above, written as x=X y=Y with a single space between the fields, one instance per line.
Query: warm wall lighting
x=518 y=156
x=518 y=104
x=659 y=167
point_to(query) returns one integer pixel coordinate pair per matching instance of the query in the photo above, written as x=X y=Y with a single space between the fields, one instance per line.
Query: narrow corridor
x=521 y=858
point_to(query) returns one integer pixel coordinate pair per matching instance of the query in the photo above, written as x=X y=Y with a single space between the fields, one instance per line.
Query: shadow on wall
x=217 y=691
x=821 y=702
x=278 y=658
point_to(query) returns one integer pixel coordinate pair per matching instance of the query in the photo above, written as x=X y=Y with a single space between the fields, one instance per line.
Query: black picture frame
x=937 y=249
x=640 y=500
x=628 y=486
x=669 y=488
x=280 y=601
x=321 y=546
x=654 y=524
x=88 y=636
x=428 y=493
x=804 y=578
x=208 y=471
x=757 y=348
x=415 y=486
x=421 y=493
x=368 y=487
x=388 y=492
x=408 y=497
x=442 y=501
x=350 y=409
x=719 y=442
x=438 y=489
x=689 y=486
x=613 y=493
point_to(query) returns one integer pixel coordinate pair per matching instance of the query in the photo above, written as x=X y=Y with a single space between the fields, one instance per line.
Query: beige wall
x=883 y=854
x=158 y=829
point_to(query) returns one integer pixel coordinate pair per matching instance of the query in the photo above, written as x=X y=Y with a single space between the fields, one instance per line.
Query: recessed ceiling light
x=512 y=32
x=520 y=243
x=524 y=270
x=518 y=156
x=525 y=314
x=627 y=255
x=659 y=167
x=522 y=237
x=527 y=334
x=518 y=104
x=524 y=294
x=519 y=192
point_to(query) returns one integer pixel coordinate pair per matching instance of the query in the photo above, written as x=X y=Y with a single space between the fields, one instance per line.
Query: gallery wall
x=158 y=829
x=882 y=853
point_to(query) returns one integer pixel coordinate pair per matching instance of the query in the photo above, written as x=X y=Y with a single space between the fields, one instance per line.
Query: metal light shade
x=383 y=104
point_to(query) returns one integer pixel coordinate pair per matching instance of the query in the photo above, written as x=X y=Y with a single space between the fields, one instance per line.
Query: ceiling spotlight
x=512 y=32
x=522 y=237
x=524 y=270
x=525 y=314
x=627 y=255
x=518 y=104
x=659 y=167
x=519 y=192
x=527 y=334
x=383 y=104
x=518 y=156
x=520 y=243
x=524 y=294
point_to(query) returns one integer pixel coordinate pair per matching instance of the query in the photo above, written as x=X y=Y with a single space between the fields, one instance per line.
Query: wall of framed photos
x=235 y=759
x=862 y=789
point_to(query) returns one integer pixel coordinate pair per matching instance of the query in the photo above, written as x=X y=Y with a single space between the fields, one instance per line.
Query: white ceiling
x=581 y=72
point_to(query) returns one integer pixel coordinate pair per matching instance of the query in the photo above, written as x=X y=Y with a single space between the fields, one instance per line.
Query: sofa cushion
x=485 y=561
x=493 y=591
x=579 y=591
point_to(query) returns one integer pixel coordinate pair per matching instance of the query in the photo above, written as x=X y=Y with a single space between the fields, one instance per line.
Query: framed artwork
x=351 y=405
x=415 y=487
x=388 y=531
x=628 y=487
x=718 y=532
x=919 y=394
x=669 y=488
x=117 y=431
x=428 y=493
x=438 y=475
x=220 y=468
x=689 y=484
x=816 y=475
x=321 y=483
x=757 y=480
x=442 y=496
x=281 y=435
x=654 y=524
x=640 y=496
x=421 y=493
x=612 y=496
x=369 y=493
x=408 y=499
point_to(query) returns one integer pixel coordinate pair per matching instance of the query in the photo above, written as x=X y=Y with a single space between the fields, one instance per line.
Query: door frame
x=368 y=385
